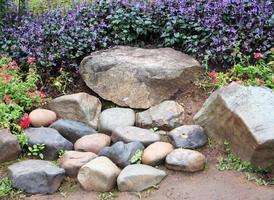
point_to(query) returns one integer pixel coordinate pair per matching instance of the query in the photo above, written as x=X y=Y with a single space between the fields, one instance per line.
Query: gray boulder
x=138 y=78
x=138 y=177
x=80 y=107
x=244 y=117
x=185 y=160
x=36 y=176
x=72 y=130
x=9 y=146
x=166 y=116
x=188 y=137
x=53 y=140
x=121 y=153
x=130 y=134
x=114 y=117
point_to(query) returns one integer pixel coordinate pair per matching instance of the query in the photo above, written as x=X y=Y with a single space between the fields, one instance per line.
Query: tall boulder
x=136 y=77
x=244 y=116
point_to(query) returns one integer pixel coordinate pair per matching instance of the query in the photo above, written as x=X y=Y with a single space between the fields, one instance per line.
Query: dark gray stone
x=9 y=146
x=36 y=176
x=188 y=137
x=130 y=133
x=121 y=153
x=52 y=139
x=72 y=130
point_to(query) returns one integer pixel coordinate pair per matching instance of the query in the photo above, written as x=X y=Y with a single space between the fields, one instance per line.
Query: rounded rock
x=155 y=153
x=98 y=175
x=92 y=143
x=185 y=160
x=42 y=117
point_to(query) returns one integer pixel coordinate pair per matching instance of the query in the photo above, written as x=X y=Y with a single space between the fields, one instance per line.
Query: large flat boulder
x=80 y=107
x=244 y=116
x=136 y=77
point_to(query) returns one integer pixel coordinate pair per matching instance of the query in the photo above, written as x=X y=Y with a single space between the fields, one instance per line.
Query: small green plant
x=232 y=162
x=259 y=74
x=62 y=81
x=61 y=153
x=5 y=187
x=155 y=129
x=36 y=150
x=108 y=195
x=137 y=157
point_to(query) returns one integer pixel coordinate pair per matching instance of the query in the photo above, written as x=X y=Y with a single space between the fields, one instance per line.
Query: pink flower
x=258 y=55
x=7 y=99
x=215 y=80
x=31 y=60
x=25 y=122
x=2 y=68
x=6 y=77
x=261 y=82
x=213 y=74
x=13 y=66
x=273 y=80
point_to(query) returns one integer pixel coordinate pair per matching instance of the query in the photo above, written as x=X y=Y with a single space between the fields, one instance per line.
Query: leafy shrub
x=221 y=31
x=18 y=95
x=259 y=73
x=5 y=187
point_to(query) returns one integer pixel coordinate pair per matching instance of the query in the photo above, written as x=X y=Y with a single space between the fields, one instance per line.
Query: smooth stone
x=138 y=177
x=79 y=107
x=139 y=77
x=121 y=153
x=114 y=117
x=185 y=160
x=72 y=130
x=36 y=176
x=188 y=137
x=92 y=143
x=130 y=133
x=244 y=117
x=9 y=146
x=155 y=153
x=72 y=161
x=42 y=117
x=167 y=115
x=53 y=140
x=98 y=175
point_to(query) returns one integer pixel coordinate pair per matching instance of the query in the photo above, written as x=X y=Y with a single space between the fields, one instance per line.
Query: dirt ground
x=210 y=184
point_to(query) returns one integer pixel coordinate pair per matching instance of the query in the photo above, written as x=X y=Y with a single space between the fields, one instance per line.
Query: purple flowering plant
x=220 y=30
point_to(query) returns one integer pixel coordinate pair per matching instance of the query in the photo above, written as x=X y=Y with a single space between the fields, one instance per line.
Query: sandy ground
x=210 y=184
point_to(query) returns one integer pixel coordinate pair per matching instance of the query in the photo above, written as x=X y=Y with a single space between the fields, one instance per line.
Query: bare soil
x=210 y=184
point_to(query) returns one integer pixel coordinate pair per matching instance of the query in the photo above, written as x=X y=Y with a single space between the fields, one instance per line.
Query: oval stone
x=42 y=117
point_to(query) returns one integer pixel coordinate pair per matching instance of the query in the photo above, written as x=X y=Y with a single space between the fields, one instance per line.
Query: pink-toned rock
x=92 y=143
x=155 y=153
x=72 y=161
x=42 y=117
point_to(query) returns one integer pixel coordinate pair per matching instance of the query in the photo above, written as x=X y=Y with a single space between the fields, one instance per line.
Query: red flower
x=2 y=68
x=25 y=122
x=213 y=74
x=31 y=60
x=7 y=99
x=215 y=80
x=261 y=82
x=258 y=55
x=13 y=66
x=6 y=77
